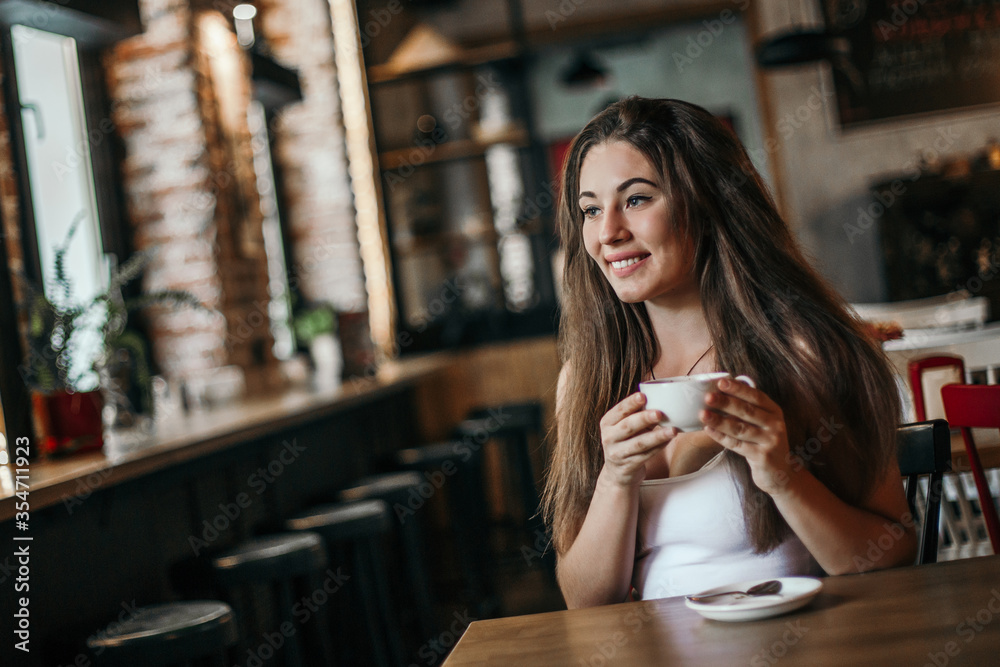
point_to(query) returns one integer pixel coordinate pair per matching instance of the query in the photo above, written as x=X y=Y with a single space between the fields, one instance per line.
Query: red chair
x=969 y=406
x=916 y=367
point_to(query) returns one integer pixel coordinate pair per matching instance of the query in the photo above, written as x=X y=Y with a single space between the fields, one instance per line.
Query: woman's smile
x=623 y=266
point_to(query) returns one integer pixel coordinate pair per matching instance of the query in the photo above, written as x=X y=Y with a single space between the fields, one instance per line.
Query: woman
x=677 y=263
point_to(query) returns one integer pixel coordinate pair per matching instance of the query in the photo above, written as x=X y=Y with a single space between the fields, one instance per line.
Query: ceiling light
x=243 y=20
x=244 y=12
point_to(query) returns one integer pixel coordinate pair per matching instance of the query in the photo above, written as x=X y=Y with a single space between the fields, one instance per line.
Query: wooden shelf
x=472 y=57
x=415 y=245
x=451 y=150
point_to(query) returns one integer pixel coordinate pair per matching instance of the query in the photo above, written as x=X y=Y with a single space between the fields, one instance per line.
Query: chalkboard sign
x=915 y=56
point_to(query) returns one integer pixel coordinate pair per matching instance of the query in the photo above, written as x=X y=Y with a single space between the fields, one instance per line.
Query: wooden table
x=943 y=614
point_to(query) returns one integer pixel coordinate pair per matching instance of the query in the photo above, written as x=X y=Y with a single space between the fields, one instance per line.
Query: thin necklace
x=692 y=365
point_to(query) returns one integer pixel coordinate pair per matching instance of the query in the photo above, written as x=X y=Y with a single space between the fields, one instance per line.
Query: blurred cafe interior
x=282 y=286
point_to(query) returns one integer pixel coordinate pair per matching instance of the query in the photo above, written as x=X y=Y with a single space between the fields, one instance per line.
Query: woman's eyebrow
x=624 y=186
x=632 y=181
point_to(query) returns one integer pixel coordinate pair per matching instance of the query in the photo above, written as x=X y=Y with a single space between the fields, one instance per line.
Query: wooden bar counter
x=127 y=527
x=109 y=531
x=187 y=437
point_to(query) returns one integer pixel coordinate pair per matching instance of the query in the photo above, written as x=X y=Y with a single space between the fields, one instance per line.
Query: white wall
x=826 y=172
x=718 y=77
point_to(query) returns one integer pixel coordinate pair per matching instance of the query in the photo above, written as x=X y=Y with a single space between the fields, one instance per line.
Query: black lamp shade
x=583 y=72
x=274 y=85
x=801 y=46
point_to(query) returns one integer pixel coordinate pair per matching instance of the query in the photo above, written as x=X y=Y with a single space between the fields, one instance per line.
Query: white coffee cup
x=682 y=398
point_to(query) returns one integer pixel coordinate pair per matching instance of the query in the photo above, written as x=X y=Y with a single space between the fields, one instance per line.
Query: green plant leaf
x=53 y=326
x=59 y=260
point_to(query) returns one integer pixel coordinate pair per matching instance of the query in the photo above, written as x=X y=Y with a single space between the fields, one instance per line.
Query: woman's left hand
x=746 y=421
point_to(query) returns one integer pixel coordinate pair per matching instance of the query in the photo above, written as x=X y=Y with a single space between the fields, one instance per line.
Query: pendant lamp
x=799 y=46
x=802 y=43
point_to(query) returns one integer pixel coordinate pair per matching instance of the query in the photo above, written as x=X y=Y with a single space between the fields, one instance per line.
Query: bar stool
x=399 y=490
x=462 y=466
x=280 y=560
x=167 y=634
x=361 y=526
x=512 y=425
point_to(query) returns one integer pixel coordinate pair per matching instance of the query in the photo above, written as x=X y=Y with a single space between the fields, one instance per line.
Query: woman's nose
x=613 y=228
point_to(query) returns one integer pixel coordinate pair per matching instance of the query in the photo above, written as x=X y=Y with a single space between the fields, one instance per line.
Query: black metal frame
x=924 y=448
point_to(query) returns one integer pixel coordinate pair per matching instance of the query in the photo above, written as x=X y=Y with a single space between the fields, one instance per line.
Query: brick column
x=180 y=93
x=312 y=153
x=168 y=182
x=225 y=92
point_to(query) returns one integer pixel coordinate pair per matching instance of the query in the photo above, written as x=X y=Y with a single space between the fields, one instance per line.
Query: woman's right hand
x=631 y=436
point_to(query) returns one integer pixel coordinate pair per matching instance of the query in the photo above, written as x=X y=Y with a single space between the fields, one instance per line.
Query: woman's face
x=627 y=227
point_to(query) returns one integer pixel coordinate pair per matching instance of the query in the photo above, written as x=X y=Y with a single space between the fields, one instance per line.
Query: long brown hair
x=769 y=314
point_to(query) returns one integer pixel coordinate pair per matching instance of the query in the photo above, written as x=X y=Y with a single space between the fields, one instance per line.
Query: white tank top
x=691 y=536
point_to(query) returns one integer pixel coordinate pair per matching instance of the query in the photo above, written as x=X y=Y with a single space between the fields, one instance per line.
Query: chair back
x=926 y=386
x=972 y=405
x=924 y=448
x=969 y=406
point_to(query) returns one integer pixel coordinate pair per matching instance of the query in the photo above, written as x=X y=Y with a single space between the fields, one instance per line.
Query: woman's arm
x=597 y=568
x=846 y=539
x=841 y=537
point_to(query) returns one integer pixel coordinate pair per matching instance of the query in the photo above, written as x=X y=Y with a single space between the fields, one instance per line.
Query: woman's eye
x=635 y=200
x=590 y=211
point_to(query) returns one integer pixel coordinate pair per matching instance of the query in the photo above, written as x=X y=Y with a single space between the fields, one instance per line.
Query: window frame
x=105 y=158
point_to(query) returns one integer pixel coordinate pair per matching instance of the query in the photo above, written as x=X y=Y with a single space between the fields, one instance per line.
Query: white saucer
x=795 y=592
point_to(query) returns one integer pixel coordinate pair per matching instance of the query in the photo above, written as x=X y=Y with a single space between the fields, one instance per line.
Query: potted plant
x=68 y=401
x=315 y=328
